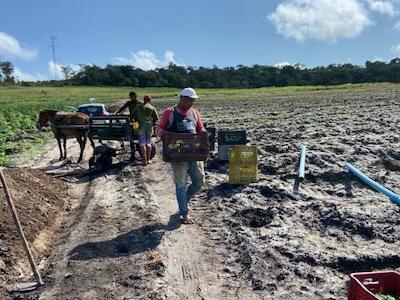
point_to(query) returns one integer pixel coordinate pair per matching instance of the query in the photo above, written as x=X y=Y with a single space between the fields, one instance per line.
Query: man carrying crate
x=183 y=118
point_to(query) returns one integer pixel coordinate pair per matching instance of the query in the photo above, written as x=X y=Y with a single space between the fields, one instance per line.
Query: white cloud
x=396 y=49
x=10 y=48
x=283 y=64
x=280 y=65
x=384 y=7
x=323 y=20
x=397 y=26
x=146 y=60
x=22 y=76
x=56 y=72
x=169 y=57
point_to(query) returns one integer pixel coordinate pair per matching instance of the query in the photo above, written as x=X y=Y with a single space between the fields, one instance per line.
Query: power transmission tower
x=53 y=47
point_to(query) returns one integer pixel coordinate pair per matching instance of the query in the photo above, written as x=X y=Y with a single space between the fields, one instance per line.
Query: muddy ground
x=275 y=239
x=305 y=238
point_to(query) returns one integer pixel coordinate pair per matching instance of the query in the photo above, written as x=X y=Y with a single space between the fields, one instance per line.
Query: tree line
x=229 y=77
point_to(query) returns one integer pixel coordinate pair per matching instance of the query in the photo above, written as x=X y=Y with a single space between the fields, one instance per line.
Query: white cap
x=189 y=92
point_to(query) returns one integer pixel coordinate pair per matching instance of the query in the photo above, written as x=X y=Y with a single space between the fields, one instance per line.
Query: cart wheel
x=153 y=149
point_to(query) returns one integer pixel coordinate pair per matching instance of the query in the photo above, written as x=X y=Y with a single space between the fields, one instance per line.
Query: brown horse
x=60 y=121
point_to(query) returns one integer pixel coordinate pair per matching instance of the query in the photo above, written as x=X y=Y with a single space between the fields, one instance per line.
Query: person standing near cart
x=147 y=117
x=183 y=118
x=131 y=105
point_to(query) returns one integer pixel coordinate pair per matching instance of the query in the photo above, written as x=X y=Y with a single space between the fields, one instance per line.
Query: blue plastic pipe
x=395 y=198
x=302 y=161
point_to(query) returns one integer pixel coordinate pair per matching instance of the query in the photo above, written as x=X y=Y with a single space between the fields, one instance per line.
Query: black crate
x=227 y=139
x=230 y=137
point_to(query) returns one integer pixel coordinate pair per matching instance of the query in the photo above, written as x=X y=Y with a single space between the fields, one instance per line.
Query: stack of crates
x=243 y=166
x=227 y=139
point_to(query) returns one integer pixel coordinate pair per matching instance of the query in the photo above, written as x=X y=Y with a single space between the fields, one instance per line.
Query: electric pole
x=53 y=47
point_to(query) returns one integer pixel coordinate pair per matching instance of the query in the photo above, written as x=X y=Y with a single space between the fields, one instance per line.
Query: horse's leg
x=65 y=147
x=87 y=136
x=59 y=146
x=81 y=145
x=84 y=143
x=92 y=142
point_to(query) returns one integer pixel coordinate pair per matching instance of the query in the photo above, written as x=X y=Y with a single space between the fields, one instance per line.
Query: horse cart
x=113 y=128
x=103 y=128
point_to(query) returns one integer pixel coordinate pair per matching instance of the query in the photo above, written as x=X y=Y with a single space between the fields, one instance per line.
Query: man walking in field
x=183 y=118
x=147 y=117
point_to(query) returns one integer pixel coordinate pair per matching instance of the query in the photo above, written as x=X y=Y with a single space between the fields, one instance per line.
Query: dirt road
x=124 y=239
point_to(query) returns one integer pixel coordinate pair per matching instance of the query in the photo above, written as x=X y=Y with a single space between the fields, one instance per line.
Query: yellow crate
x=243 y=155
x=243 y=174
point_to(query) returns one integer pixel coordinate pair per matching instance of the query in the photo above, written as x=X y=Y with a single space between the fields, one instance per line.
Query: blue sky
x=153 y=33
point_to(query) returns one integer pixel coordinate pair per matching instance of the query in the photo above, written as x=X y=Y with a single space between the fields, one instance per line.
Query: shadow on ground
x=142 y=239
x=81 y=174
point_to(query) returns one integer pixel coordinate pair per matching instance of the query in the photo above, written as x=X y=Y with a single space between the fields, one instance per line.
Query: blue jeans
x=181 y=170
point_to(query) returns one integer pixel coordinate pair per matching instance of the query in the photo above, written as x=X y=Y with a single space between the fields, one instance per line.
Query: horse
x=59 y=119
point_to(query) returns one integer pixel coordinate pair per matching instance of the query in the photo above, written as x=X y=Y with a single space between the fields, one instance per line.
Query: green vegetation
x=20 y=105
x=386 y=297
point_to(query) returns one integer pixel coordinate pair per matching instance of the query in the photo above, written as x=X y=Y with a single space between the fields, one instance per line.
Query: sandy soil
x=275 y=239
x=41 y=201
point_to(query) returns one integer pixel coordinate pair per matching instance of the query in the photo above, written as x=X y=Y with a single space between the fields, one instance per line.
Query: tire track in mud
x=98 y=256
x=124 y=240
x=191 y=267
x=105 y=248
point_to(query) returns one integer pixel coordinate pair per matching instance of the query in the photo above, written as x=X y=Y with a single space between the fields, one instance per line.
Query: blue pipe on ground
x=395 y=198
x=302 y=161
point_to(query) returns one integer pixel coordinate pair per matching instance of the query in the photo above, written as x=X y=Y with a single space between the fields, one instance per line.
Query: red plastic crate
x=364 y=286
